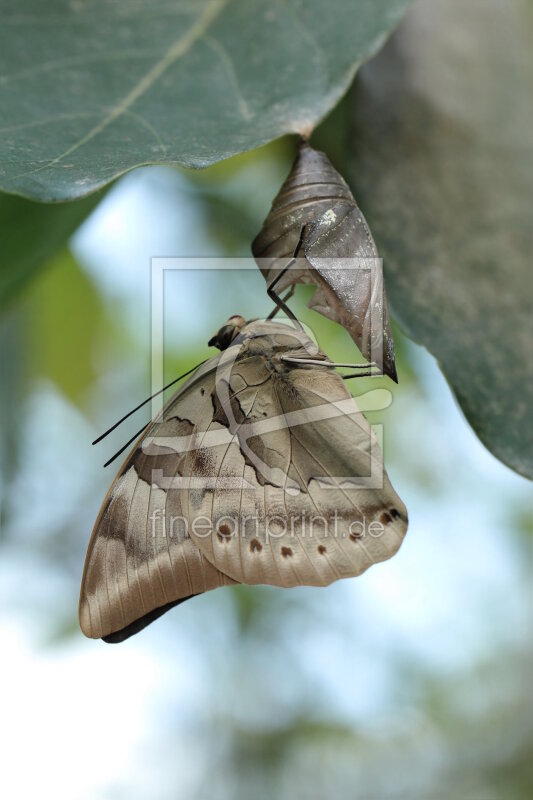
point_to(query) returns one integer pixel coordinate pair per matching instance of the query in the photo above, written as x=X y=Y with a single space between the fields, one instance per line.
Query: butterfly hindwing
x=287 y=527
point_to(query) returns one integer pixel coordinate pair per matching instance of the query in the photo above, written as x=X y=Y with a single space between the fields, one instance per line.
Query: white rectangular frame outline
x=161 y=264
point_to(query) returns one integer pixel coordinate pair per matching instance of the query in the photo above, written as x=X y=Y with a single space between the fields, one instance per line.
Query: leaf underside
x=89 y=90
x=442 y=165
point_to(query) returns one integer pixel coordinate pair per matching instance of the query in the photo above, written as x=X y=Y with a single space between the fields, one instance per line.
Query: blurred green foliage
x=65 y=318
x=31 y=234
x=274 y=663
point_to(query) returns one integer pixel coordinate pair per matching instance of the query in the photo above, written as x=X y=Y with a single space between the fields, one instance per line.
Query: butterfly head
x=227 y=333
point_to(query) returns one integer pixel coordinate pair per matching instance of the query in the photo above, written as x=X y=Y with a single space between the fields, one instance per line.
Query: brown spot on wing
x=224 y=533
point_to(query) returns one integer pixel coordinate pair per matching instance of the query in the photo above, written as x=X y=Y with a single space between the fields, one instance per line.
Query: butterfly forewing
x=140 y=556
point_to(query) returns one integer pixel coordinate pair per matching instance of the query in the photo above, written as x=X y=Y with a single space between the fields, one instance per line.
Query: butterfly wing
x=247 y=477
x=140 y=560
x=318 y=504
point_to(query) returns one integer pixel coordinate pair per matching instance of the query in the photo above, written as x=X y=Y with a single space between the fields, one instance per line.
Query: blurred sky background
x=407 y=682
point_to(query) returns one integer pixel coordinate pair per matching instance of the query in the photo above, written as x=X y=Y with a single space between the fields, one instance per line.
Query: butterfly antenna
x=110 y=460
x=133 y=410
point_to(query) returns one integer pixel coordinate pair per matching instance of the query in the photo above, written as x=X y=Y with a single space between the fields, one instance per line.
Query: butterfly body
x=260 y=470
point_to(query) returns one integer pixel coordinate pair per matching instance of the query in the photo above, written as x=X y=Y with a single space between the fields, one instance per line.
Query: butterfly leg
x=284 y=300
x=361 y=375
x=332 y=364
x=274 y=296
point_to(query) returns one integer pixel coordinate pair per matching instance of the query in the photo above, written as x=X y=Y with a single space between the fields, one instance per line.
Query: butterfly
x=316 y=233
x=260 y=469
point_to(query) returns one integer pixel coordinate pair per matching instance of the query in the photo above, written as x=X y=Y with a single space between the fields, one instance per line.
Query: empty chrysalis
x=316 y=228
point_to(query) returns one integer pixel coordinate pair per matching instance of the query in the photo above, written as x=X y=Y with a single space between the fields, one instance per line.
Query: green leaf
x=442 y=165
x=67 y=321
x=31 y=233
x=89 y=90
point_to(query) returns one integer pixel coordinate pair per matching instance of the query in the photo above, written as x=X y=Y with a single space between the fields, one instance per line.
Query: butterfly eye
x=224 y=337
x=227 y=333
